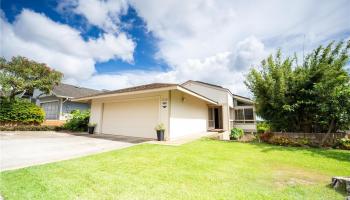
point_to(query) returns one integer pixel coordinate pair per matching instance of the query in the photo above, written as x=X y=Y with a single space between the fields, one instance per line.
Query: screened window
x=244 y=115
x=239 y=114
x=248 y=114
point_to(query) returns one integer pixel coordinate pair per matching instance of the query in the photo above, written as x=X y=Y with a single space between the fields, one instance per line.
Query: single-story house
x=58 y=105
x=185 y=109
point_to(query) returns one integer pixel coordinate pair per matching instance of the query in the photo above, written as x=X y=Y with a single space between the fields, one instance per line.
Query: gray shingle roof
x=66 y=90
x=133 y=89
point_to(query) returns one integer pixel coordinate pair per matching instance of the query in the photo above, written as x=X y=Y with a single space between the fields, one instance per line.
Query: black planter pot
x=91 y=129
x=160 y=135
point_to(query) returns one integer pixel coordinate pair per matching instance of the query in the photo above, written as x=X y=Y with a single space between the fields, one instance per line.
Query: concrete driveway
x=22 y=149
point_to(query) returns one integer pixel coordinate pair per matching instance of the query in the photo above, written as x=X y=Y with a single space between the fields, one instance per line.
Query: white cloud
x=207 y=40
x=103 y=14
x=108 y=46
x=195 y=34
x=219 y=41
x=60 y=46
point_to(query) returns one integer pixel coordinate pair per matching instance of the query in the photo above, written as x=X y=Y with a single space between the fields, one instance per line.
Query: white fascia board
x=124 y=93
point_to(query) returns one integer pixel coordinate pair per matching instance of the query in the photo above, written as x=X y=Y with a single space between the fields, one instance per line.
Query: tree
x=312 y=97
x=21 y=75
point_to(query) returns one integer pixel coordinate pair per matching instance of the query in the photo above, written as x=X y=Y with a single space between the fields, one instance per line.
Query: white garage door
x=135 y=118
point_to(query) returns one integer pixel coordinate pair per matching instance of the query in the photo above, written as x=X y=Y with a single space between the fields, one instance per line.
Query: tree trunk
x=13 y=94
x=330 y=129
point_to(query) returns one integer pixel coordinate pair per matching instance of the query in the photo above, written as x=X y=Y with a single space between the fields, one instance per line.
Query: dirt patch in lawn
x=289 y=176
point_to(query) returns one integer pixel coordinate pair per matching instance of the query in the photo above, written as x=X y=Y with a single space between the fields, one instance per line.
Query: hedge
x=19 y=111
x=30 y=128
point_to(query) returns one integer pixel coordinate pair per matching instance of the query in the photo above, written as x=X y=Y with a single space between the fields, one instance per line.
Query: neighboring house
x=188 y=109
x=58 y=105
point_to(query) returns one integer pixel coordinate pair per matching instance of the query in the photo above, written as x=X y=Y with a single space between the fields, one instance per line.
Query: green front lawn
x=204 y=169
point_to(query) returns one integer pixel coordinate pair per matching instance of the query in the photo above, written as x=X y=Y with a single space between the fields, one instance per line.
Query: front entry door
x=214 y=118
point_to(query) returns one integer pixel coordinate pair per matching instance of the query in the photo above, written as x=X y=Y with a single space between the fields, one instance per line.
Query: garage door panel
x=135 y=118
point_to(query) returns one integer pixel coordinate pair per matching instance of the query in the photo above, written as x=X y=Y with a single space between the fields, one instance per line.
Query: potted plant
x=91 y=128
x=160 y=131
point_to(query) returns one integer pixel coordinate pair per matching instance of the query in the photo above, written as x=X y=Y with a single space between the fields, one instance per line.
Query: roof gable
x=217 y=87
x=146 y=88
x=207 y=85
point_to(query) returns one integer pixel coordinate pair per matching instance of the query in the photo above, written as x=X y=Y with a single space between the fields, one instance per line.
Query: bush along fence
x=30 y=128
x=305 y=139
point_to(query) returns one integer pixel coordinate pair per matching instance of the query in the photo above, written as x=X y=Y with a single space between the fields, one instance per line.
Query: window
x=239 y=114
x=211 y=124
x=232 y=114
x=248 y=114
x=244 y=115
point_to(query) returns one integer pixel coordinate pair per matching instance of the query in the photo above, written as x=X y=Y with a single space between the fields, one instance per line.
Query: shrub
x=78 y=122
x=19 y=111
x=236 y=133
x=263 y=127
x=283 y=141
x=344 y=143
x=29 y=128
x=265 y=137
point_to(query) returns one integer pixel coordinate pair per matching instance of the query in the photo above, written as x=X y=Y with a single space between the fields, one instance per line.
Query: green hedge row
x=20 y=111
x=29 y=128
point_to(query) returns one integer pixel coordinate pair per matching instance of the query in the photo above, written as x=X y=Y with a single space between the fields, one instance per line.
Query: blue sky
x=145 y=50
x=112 y=44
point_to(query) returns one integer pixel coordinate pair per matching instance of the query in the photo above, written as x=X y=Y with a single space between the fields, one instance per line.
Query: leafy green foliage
x=21 y=74
x=344 y=143
x=20 y=111
x=29 y=128
x=236 y=133
x=160 y=127
x=263 y=127
x=312 y=97
x=78 y=122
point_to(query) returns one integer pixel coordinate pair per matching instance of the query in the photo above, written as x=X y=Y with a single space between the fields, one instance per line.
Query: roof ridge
x=76 y=86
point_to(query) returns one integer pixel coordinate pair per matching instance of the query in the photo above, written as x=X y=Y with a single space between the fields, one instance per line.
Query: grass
x=204 y=169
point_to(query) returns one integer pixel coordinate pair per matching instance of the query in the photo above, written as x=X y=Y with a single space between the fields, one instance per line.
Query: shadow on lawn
x=341 y=155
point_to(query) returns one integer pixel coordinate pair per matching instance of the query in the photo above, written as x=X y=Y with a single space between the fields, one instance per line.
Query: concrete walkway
x=183 y=140
x=27 y=148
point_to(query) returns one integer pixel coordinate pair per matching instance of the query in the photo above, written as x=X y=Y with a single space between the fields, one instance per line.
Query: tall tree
x=312 y=97
x=21 y=74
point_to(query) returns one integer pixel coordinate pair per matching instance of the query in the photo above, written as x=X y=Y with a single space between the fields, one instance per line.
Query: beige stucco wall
x=188 y=115
x=219 y=96
x=96 y=115
x=121 y=102
x=223 y=97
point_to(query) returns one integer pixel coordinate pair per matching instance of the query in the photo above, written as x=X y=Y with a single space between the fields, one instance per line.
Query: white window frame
x=244 y=121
